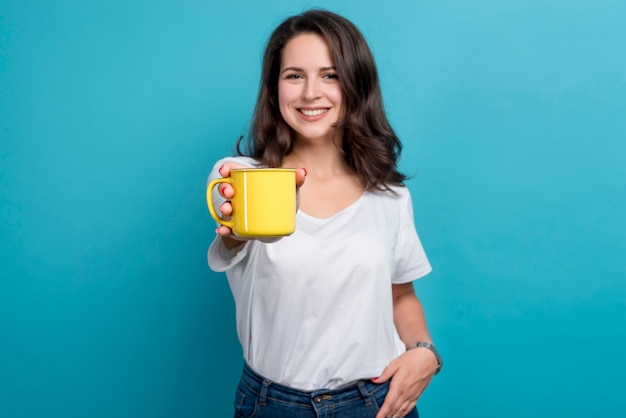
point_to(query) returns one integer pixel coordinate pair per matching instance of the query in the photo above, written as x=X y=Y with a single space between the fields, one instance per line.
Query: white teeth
x=315 y=112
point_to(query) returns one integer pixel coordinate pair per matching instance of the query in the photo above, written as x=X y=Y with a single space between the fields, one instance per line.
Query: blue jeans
x=258 y=397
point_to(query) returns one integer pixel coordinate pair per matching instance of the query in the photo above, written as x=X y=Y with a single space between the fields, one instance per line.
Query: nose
x=311 y=89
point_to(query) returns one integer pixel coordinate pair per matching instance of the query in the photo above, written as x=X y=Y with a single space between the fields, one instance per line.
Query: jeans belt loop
x=364 y=393
x=263 y=393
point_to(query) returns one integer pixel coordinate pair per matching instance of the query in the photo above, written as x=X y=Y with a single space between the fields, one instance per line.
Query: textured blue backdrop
x=113 y=112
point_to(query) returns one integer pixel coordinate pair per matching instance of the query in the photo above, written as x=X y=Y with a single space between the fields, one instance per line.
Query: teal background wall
x=113 y=112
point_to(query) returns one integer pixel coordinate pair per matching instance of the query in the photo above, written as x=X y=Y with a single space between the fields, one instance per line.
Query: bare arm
x=411 y=372
x=408 y=315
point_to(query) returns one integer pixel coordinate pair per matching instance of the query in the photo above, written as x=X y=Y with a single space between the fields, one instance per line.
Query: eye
x=293 y=76
x=331 y=76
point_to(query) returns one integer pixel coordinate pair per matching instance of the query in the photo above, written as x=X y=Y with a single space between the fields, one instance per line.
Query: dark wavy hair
x=370 y=145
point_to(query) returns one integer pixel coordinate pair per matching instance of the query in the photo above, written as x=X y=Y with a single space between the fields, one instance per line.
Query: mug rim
x=264 y=169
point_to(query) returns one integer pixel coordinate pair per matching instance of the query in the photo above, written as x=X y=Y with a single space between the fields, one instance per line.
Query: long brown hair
x=370 y=145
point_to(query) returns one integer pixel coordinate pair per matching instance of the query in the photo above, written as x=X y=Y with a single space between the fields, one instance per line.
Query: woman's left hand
x=410 y=373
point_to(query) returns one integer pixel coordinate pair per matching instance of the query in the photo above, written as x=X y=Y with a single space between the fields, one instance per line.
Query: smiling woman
x=342 y=282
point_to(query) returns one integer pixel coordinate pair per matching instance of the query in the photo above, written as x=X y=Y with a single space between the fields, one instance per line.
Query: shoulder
x=398 y=197
x=393 y=193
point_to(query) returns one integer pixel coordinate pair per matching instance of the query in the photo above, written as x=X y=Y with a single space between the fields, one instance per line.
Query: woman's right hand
x=227 y=191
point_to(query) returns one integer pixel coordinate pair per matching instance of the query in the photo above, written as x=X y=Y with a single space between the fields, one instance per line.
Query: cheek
x=336 y=96
x=285 y=95
x=284 y=98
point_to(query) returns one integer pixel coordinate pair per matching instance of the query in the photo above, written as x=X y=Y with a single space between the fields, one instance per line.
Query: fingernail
x=222 y=189
x=305 y=172
x=374 y=379
x=220 y=169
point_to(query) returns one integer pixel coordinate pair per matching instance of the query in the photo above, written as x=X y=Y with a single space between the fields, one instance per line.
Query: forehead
x=306 y=50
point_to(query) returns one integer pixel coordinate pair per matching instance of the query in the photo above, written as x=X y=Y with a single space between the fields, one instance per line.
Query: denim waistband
x=267 y=389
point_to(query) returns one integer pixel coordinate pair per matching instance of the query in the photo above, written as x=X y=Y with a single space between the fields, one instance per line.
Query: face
x=309 y=93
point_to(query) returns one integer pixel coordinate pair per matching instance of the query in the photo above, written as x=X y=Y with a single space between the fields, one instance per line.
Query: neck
x=320 y=159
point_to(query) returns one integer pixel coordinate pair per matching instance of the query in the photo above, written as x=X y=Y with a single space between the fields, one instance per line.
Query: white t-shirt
x=314 y=310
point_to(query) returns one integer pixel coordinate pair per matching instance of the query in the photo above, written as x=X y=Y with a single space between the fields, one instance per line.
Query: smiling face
x=309 y=92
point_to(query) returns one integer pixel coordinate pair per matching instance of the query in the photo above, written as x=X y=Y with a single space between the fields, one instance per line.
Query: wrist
x=433 y=349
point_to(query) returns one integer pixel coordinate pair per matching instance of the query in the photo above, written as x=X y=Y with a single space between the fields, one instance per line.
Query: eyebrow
x=300 y=69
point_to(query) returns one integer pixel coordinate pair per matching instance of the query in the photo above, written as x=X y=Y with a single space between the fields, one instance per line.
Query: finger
x=407 y=408
x=389 y=407
x=224 y=170
x=300 y=177
x=385 y=411
x=226 y=209
x=224 y=231
x=389 y=371
x=403 y=409
x=401 y=399
x=227 y=191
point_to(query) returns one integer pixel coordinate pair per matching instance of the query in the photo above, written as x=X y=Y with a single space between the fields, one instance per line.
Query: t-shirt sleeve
x=221 y=258
x=411 y=262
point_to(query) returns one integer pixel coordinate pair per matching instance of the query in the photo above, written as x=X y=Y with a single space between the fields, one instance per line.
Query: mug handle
x=209 y=200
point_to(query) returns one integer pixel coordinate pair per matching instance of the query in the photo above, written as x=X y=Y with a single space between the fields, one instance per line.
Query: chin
x=317 y=137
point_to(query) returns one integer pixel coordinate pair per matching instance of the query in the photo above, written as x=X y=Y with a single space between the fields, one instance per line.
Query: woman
x=327 y=317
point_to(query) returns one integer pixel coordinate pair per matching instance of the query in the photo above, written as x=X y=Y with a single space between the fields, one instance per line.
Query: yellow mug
x=264 y=203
